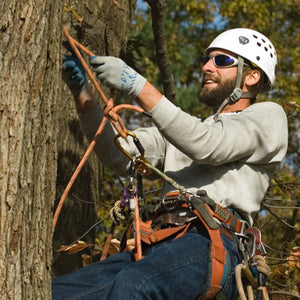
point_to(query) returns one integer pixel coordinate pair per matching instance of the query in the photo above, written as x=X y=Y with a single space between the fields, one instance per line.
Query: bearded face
x=215 y=90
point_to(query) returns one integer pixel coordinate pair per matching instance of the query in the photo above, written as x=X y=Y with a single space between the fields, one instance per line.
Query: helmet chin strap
x=237 y=93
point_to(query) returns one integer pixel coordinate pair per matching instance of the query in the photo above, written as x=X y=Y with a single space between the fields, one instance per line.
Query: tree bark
x=102 y=27
x=37 y=124
x=30 y=42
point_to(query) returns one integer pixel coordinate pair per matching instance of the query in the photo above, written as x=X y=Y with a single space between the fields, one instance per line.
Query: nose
x=208 y=66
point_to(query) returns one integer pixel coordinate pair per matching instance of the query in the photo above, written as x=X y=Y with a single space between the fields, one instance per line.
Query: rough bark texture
x=30 y=41
x=102 y=27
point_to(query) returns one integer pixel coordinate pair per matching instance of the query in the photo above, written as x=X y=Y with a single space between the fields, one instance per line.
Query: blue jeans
x=173 y=269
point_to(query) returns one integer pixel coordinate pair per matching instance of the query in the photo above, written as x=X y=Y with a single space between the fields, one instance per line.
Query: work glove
x=73 y=74
x=116 y=74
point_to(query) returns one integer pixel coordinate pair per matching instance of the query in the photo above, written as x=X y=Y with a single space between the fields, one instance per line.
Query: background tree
x=40 y=132
x=30 y=46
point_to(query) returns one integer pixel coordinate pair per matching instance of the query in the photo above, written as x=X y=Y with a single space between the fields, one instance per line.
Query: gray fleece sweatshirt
x=232 y=158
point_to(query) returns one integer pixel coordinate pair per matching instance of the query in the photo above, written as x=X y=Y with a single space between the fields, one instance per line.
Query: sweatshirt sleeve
x=110 y=155
x=257 y=135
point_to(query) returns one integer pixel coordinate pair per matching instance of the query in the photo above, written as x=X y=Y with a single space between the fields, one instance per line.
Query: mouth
x=208 y=82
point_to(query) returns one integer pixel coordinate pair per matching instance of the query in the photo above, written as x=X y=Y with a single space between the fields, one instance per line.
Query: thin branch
x=279 y=219
x=277 y=251
x=157 y=13
x=93 y=226
x=81 y=200
x=277 y=199
x=282 y=207
x=284 y=293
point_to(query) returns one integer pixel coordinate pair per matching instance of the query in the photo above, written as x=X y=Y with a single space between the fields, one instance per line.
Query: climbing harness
x=178 y=211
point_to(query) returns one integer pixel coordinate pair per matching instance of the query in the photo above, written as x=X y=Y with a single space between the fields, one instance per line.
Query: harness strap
x=150 y=236
x=209 y=212
x=227 y=217
x=218 y=257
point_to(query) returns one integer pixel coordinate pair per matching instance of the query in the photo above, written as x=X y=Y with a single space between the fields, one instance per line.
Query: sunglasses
x=222 y=60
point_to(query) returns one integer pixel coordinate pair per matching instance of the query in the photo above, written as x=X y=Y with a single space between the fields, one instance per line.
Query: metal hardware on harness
x=254 y=243
x=253 y=266
x=173 y=199
x=141 y=163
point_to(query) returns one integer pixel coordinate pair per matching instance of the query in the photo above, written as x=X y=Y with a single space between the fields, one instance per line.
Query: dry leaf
x=294 y=258
x=114 y=247
x=80 y=245
x=130 y=244
x=86 y=260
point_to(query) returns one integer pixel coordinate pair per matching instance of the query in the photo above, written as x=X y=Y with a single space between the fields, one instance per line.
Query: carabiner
x=141 y=167
x=118 y=145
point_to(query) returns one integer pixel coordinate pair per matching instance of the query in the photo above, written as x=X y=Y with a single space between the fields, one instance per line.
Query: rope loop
x=109 y=114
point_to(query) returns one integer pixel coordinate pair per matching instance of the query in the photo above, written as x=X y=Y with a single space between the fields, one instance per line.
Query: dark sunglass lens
x=223 y=60
x=206 y=59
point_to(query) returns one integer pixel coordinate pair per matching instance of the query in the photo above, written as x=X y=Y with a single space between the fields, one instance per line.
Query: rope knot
x=108 y=111
x=115 y=119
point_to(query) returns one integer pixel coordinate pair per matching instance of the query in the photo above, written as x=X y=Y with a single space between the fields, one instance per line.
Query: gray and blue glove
x=116 y=74
x=73 y=74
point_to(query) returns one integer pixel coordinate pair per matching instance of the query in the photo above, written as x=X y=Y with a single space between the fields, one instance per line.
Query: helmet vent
x=257 y=57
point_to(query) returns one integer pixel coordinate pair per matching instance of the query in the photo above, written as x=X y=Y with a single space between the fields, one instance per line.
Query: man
x=231 y=155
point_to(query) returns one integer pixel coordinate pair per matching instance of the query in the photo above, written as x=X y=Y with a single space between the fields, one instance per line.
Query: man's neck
x=237 y=106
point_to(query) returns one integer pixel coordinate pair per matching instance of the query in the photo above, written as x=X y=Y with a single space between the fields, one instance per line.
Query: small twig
x=81 y=200
x=93 y=226
x=279 y=219
x=282 y=207
x=284 y=293
x=277 y=199
x=277 y=251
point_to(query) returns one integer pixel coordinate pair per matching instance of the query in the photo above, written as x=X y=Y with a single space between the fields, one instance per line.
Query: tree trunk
x=102 y=27
x=30 y=42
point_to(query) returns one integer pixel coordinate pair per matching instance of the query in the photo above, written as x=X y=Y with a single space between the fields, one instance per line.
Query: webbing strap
x=218 y=257
x=150 y=236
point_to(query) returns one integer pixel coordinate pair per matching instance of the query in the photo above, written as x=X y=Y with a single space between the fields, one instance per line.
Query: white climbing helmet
x=251 y=45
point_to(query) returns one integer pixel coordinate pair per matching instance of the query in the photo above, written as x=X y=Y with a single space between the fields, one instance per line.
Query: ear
x=252 y=78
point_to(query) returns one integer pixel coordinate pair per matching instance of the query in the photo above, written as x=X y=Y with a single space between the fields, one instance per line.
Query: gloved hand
x=73 y=74
x=116 y=74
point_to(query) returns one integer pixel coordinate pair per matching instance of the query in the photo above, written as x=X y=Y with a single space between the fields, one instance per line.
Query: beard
x=214 y=97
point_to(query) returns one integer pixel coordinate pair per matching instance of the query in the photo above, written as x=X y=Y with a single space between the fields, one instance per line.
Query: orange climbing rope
x=110 y=113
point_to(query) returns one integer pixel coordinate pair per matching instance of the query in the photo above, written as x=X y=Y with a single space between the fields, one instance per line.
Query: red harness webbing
x=218 y=257
x=218 y=253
